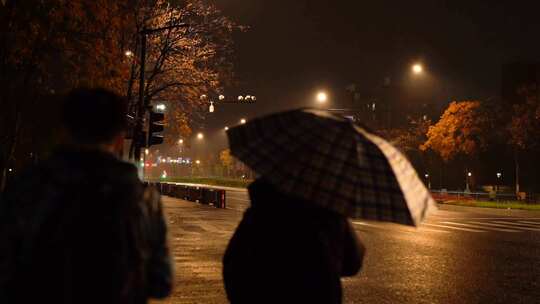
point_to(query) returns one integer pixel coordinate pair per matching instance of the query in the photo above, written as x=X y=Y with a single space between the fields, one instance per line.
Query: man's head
x=95 y=117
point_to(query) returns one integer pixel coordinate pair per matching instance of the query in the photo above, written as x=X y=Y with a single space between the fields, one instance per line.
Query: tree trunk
x=3 y=175
x=516 y=163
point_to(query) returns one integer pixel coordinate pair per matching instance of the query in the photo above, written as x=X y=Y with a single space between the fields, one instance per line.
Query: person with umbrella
x=315 y=170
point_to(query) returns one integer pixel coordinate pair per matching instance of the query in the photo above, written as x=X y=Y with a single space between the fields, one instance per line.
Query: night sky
x=296 y=47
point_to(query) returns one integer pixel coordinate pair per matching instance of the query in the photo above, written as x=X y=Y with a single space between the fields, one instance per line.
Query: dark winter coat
x=289 y=251
x=82 y=228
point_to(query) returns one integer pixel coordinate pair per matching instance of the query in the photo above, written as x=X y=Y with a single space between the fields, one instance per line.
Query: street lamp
x=226 y=128
x=146 y=151
x=211 y=108
x=181 y=144
x=322 y=97
x=417 y=69
x=243 y=121
x=198 y=162
x=428 y=180
x=161 y=107
x=467 y=188
x=128 y=53
x=200 y=136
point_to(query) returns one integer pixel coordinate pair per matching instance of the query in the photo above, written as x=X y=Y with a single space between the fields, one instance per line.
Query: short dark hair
x=94 y=116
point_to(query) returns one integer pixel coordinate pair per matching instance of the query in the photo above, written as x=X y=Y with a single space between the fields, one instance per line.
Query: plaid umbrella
x=330 y=161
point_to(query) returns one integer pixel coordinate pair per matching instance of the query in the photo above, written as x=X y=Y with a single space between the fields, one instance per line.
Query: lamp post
x=467 y=178
x=428 y=180
x=197 y=167
x=499 y=176
x=181 y=145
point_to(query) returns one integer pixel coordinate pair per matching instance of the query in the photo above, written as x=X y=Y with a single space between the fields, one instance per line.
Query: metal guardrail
x=201 y=195
x=217 y=197
x=441 y=195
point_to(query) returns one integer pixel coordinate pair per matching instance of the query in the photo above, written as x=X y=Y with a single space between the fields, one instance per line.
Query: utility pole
x=139 y=138
x=516 y=163
x=138 y=135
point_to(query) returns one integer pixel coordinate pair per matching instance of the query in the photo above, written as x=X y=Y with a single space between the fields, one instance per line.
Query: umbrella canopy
x=330 y=161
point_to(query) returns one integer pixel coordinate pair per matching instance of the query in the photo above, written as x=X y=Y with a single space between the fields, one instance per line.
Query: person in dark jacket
x=286 y=250
x=81 y=227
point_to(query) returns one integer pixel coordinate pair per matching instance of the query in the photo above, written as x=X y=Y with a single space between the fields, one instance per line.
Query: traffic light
x=155 y=126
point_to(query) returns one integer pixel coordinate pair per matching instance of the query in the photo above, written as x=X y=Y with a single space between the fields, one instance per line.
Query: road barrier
x=201 y=195
x=214 y=197
x=444 y=195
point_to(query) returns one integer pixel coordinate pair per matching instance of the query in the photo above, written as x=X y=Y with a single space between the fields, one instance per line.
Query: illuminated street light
x=498 y=185
x=467 y=178
x=200 y=136
x=322 y=97
x=146 y=151
x=243 y=121
x=198 y=162
x=211 y=108
x=161 y=107
x=226 y=128
x=221 y=97
x=428 y=181
x=240 y=98
x=203 y=96
x=417 y=69
x=128 y=53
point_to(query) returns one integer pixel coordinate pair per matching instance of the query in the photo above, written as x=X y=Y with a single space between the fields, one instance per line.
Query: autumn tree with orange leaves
x=49 y=47
x=524 y=127
x=461 y=130
x=190 y=58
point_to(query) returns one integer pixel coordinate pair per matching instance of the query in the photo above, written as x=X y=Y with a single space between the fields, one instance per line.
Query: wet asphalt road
x=460 y=255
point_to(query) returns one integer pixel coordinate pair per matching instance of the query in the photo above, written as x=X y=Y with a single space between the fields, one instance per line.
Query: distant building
x=516 y=75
